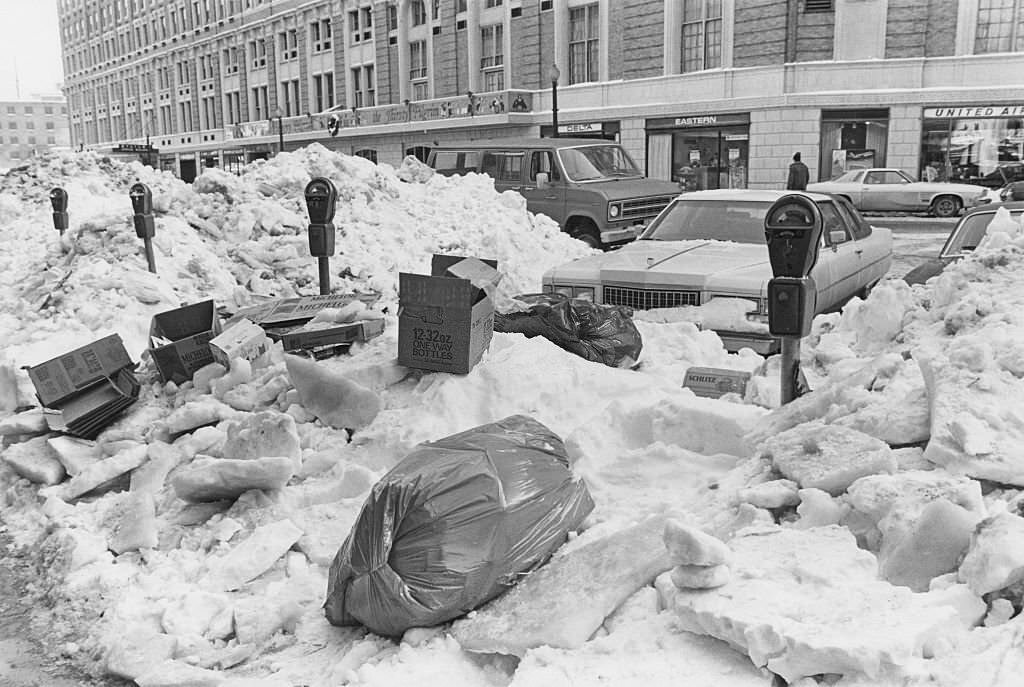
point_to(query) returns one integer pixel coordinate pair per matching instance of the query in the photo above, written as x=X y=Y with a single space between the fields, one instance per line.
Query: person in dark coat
x=798 y=175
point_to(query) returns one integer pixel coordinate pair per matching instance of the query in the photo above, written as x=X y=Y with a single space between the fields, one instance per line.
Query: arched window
x=369 y=153
x=418 y=152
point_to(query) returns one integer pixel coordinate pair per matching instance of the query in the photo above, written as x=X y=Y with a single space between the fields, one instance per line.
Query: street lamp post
x=553 y=74
x=280 y=130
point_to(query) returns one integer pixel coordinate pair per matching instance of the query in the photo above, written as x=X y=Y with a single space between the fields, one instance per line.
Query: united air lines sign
x=975 y=112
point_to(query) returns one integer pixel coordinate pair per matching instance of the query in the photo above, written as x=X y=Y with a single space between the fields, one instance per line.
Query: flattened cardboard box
x=292 y=312
x=301 y=338
x=68 y=374
x=714 y=382
x=445 y=323
x=189 y=330
x=243 y=339
x=86 y=413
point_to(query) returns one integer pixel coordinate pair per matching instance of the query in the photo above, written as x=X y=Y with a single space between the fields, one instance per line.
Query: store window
x=584 y=44
x=368 y=153
x=700 y=152
x=852 y=139
x=702 y=35
x=978 y=145
x=419 y=152
x=1000 y=26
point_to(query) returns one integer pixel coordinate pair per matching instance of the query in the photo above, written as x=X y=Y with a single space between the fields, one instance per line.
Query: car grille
x=645 y=299
x=644 y=209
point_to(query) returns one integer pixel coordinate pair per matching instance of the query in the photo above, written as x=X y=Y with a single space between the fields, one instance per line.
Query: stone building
x=29 y=126
x=722 y=90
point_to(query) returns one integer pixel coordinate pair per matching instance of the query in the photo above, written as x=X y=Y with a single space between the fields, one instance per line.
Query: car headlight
x=614 y=210
x=759 y=314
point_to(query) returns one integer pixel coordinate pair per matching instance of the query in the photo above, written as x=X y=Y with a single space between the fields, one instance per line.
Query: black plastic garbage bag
x=455 y=524
x=601 y=333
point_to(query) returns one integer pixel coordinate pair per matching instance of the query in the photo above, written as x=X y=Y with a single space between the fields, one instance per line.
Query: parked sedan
x=964 y=238
x=708 y=245
x=884 y=190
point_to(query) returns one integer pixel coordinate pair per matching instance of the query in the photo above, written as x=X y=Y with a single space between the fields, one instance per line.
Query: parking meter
x=792 y=230
x=145 y=226
x=59 y=200
x=321 y=197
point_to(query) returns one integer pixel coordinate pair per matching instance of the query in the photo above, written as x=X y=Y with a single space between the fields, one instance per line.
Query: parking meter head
x=792 y=229
x=142 y=199
x=320 y=199
x=59 y=199
x=791 y=305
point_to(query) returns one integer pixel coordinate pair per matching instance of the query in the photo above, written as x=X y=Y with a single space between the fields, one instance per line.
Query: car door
x=549 y=200
x=839 y=259
x=871 y=252
x=887 y=190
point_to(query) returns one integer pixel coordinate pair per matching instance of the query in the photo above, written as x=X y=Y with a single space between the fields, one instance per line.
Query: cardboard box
x=243 y=339
x=713 y=382
x=189 y=331
x=293 y=312
x=86 y=413
x=305 y=338
x=68 y=374
x=445 y=322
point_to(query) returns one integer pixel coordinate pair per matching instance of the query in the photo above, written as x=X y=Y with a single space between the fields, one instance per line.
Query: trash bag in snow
x=453 y=525
x=601 y=333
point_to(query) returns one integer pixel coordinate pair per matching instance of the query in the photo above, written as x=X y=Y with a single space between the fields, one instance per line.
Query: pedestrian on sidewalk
x=798 y=175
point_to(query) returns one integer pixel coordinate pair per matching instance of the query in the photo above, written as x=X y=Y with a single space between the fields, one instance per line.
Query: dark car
x=964 y=238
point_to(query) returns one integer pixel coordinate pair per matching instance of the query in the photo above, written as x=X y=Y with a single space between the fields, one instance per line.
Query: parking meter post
x=793 y=227
x=145 y=225
x=321 y=197
x=59 y=200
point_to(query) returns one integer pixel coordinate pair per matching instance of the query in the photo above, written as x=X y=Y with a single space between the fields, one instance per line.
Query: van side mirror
x=542 y=180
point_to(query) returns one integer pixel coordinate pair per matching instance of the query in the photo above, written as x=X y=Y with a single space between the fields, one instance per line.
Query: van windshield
x=593 y=162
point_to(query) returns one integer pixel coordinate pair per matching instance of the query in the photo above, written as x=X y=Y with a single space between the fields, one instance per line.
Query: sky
x=30 y=59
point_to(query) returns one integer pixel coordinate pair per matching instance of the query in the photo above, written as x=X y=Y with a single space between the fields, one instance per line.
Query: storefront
x=234 y=161
x=700 y=152
x=982 y=144
x=606 y=131
x=852 y=139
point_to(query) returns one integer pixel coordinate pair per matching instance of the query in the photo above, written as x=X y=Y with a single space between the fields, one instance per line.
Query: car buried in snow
x=965 y=237
x=709 y=245
x=882 y=189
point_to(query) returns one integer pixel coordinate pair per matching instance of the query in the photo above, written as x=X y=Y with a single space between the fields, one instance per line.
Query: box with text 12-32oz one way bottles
x=446 y=319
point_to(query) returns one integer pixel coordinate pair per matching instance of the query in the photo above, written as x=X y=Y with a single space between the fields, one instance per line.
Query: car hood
x=624 y=189
x=679 y=264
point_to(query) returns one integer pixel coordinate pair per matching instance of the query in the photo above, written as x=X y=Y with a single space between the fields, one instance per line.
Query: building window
x=702 y=35
x=418 y=69
x=209 y=112
x=360 y=23
x=492 y=3
x=231 y=60
x=492 y=60
x=258 y=53
x=48 y=110
x=357 y=87
x=320 y=35
x=460 y=5
x=290 y=97
x=258 y=106
x=392 y=18
x=363 y=90
x=584 y=46
x=232 y=107
x=28 y=109
x=185 y=112
x=11 y=109
x=419 y=12
x=49 y=125
x=289 y=41
x=368 y=153
x=12 y=125
x=811 y=6
x=52 y=140
x=999 y=26
x=30 y=125
x=323 y=91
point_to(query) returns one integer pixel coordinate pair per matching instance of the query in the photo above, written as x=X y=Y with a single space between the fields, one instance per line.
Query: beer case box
x=189 y=330
x=86 y=413
x=243 y=339
x=445 y=322
x=714 y=382
x=66 y=375
x=294 y=312
x=303 y=338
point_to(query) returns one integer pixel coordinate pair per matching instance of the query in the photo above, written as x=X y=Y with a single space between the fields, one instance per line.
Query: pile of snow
x=871 y=528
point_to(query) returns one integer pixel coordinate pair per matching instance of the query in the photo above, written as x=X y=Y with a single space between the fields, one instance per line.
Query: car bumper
x=622 y=234
x=763 y=344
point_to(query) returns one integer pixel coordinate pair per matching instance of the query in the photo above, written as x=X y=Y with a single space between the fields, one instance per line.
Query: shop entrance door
x=710 y=158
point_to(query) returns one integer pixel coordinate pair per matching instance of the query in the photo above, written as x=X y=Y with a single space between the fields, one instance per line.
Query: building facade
x=32 y=126
x=712 y=93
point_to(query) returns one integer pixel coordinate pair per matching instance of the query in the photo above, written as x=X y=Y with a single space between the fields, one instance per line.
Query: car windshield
x=717 y=220
x=587 y=163
x=970 y=232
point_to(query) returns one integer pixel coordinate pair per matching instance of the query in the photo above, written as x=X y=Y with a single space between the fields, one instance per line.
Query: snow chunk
x=134 y=653
x=827 y=457
x=75 y=454
x=688 y=545
x=334 y=399
x=213 y=479
x=104 y=471
x=776 y=493
x=173 y=673
x=252 y=557
x=131 y=520
x=932 y=546
x=806 y=602
x=25 y=422
x=35 y=461
x=700 y=576
x=995 y=558
x=263 y=434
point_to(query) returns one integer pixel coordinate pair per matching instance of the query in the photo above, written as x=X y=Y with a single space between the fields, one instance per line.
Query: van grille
x=645 y=299
x=644 y=209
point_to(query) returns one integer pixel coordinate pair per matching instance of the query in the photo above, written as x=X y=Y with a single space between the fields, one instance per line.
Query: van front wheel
x=585 y=231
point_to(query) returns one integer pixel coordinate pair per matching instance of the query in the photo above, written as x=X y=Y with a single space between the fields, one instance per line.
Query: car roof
x=992 y=207
x=751 y=194
x=526 y=142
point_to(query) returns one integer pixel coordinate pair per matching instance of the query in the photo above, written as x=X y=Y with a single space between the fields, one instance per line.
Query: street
x=916 y=238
